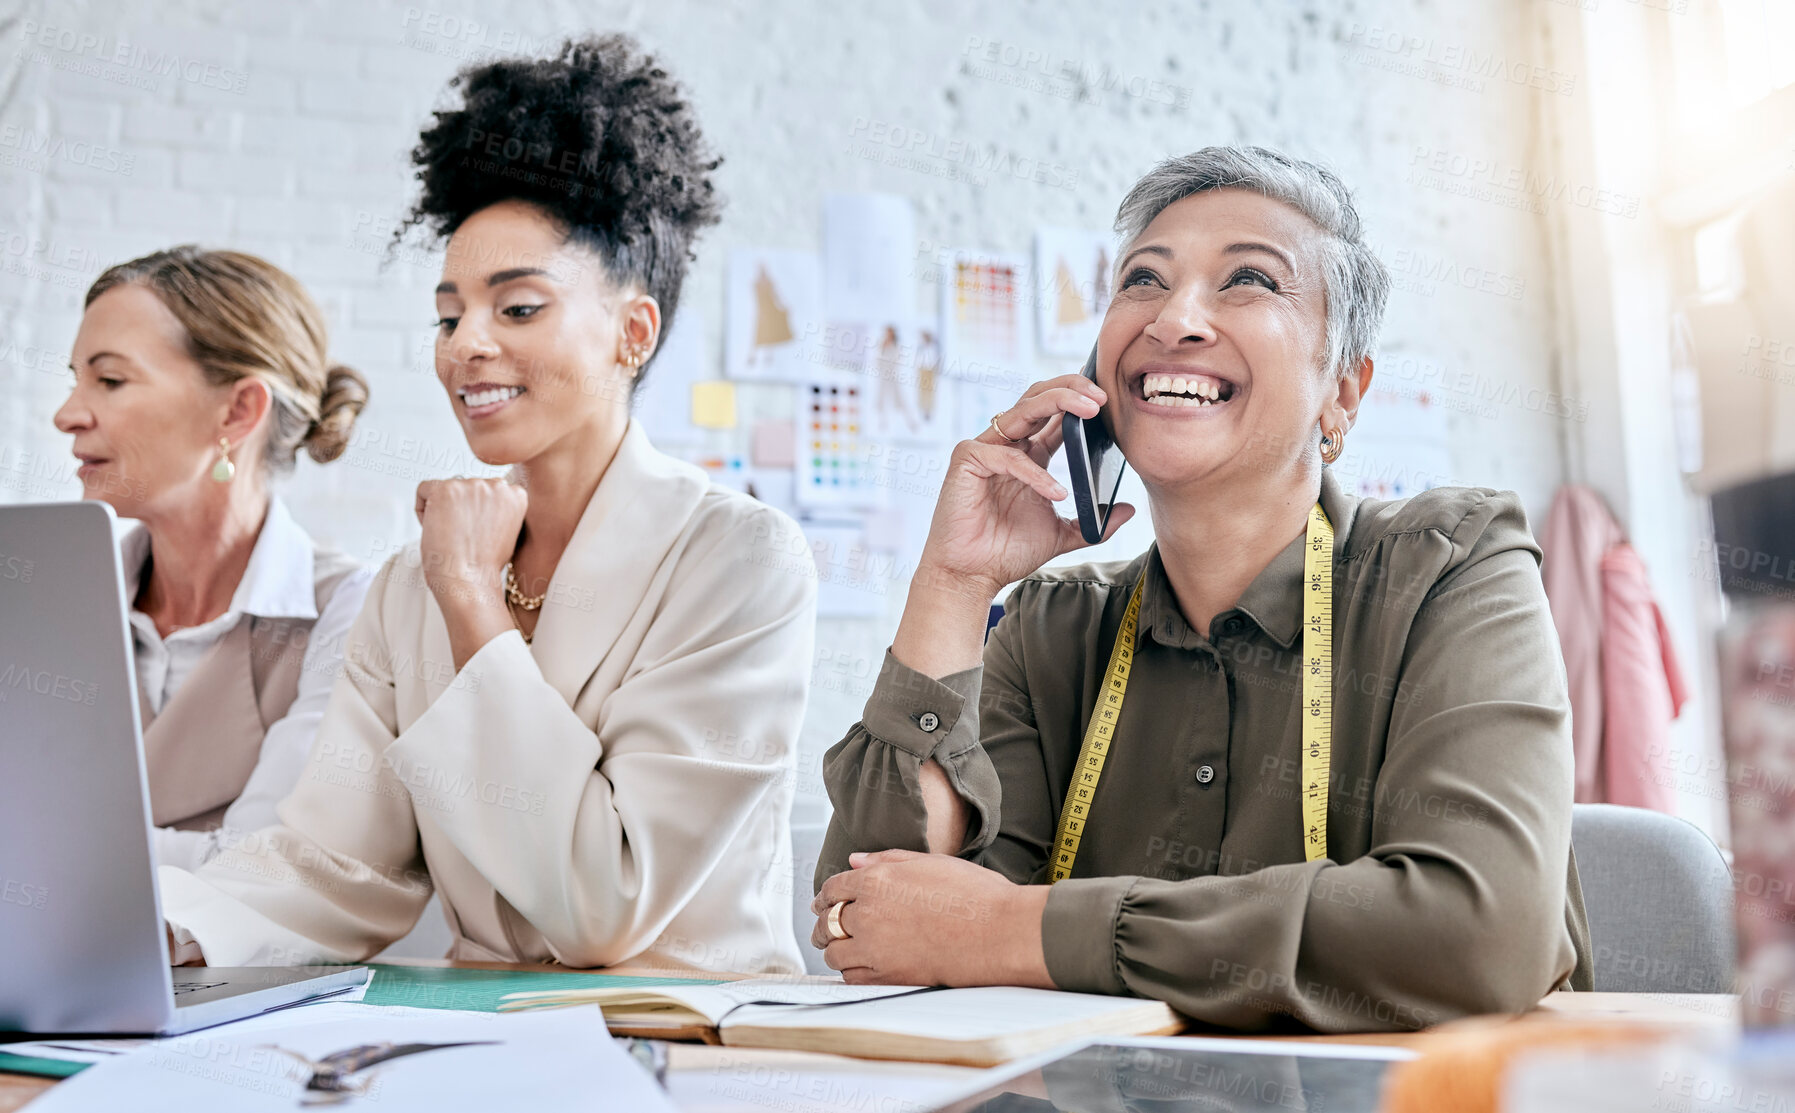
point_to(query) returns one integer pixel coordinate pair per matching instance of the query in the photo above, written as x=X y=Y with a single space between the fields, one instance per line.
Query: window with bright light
x=1755 y=36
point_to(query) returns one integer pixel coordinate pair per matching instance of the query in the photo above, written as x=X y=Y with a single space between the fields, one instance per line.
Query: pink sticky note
x=775 y=444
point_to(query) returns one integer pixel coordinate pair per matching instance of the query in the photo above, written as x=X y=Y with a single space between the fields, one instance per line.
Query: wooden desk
x=1674 y=1010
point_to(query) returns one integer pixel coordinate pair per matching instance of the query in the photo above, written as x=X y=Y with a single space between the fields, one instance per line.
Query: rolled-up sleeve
x=873 y=774
x=983 y=736
x=1459 y=906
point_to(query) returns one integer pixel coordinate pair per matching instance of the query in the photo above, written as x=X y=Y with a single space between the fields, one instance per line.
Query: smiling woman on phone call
x=1134 y=786
x=572 y=708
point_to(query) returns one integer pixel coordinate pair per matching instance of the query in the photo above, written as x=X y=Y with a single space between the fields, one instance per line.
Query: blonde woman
x=198 y=376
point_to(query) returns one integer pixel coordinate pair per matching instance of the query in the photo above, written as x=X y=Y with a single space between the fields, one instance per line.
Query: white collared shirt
x=278 y=583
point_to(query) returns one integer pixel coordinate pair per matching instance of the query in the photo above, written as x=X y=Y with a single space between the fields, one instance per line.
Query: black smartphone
x=1096 y=465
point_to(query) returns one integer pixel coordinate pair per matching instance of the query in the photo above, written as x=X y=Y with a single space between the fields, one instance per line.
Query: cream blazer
x=619 y=791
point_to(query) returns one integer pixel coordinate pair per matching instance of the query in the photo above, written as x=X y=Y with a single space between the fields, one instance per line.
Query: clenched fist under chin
x=471 y=527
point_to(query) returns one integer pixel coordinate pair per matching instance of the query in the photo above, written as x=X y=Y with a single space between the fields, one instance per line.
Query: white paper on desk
x=74 y=1051
x=714 y=1001
x=716 y=1079
x=966 y=1013
x=102 y=1048
x=541 y=1061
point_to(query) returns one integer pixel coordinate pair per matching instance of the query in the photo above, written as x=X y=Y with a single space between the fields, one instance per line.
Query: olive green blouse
x=1448 y=887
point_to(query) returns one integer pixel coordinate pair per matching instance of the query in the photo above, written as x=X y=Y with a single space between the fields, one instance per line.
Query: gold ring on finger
x=1007 y=439
x=836 y=931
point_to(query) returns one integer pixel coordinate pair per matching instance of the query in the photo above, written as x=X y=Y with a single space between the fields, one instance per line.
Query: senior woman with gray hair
x=1109 y=794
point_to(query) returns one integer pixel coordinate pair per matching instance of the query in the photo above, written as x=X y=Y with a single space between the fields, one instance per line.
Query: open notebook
x=980 y=1026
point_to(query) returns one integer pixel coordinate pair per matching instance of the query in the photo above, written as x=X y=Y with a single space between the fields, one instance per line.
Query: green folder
x=45 y=1068
x=423 y=987
x=437 y=987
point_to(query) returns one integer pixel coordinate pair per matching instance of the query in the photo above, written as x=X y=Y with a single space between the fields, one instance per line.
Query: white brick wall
x=305 y=164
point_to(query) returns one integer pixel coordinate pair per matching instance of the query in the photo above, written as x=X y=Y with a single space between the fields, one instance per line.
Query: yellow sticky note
x=713 y=405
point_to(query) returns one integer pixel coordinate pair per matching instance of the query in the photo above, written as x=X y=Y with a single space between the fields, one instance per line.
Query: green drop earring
x=224 y=471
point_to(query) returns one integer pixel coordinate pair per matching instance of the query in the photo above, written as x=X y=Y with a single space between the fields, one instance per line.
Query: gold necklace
x=528 y=638
x=515 y=594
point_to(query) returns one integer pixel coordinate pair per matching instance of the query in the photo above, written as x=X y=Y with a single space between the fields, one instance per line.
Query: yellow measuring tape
x=1317 y=717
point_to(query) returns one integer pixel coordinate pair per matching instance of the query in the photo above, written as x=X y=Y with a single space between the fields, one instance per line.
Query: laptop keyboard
x=194 y=987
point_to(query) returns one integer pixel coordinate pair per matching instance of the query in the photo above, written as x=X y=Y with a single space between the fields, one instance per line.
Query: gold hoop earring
x=224 y=471
x=1333 y=442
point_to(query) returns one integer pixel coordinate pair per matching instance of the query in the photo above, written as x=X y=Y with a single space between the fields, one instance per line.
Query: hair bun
x=345 y=393
x=597 y=137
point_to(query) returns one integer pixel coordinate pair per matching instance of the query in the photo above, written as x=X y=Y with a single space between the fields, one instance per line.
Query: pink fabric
x=1625 y=685
x=1642 y=687
x=1578 y=531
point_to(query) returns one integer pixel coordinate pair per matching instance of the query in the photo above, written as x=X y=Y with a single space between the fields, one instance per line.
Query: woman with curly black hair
x=572 y=707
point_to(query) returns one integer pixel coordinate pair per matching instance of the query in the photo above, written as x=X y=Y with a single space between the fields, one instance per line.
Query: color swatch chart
x=833 y=463
x=985 y=307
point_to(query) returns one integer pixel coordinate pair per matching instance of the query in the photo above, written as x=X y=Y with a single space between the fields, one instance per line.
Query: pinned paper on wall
x=773 y=314
x=774 y=444
x=1072 y=288
x=900 y=375
x=713 y=404
x=886 y=531
x=853 y=581
x=727 y=469
x=1400 y=444
x=662 y=403
x=772 y=486
x=841 y=352
x=910 y=475
x=869 y=257
x=984 y=324
x=832 y=451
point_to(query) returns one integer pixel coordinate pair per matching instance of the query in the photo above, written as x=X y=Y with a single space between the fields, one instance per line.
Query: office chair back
x=1659 y=897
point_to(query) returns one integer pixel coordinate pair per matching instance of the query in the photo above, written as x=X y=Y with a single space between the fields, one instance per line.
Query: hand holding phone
x=1096 y=465
x=997 y=521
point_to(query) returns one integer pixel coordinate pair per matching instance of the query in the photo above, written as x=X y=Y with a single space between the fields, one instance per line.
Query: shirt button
x=928 y=722
x=1205 y=774
x=1232 y=626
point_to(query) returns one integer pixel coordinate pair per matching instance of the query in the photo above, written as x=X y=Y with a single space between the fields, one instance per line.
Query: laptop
x=83 y=948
